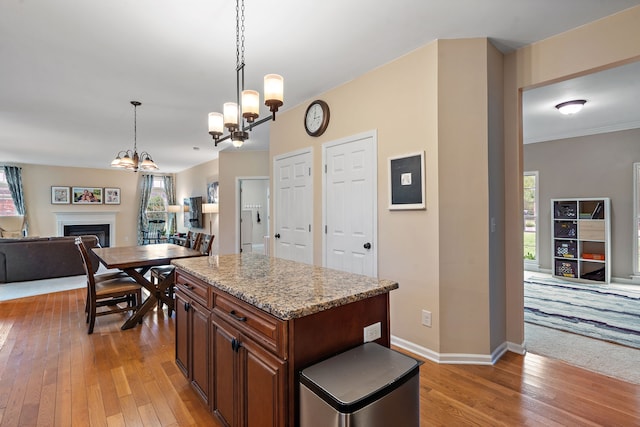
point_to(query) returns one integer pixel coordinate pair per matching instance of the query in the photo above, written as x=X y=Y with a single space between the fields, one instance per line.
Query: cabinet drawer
x=194 y=288
x=591 y=230
x=263 y=328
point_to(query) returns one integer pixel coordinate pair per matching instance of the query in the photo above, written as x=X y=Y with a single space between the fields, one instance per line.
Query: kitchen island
x=246 y=325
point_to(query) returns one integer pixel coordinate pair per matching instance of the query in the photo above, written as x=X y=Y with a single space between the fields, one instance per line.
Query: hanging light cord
x=135 y=128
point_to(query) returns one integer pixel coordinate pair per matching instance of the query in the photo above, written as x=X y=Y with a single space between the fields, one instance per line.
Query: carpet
x=596 y=311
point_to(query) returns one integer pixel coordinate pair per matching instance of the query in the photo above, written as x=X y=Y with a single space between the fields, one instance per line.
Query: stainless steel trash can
x=369 y=385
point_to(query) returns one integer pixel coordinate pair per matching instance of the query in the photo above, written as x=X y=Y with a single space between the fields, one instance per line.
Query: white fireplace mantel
x=86 y=218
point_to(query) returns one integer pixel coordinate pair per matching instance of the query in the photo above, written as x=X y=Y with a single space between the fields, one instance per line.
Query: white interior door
x=293 y=205
x=350 y=204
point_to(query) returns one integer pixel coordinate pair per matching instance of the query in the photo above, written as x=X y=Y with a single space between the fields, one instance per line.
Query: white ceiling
x=68 y=68
x=612 y=105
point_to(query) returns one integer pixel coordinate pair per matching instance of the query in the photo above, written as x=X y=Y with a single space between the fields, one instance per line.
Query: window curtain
x=170 y=190
x=146 y=185
x=14 y=180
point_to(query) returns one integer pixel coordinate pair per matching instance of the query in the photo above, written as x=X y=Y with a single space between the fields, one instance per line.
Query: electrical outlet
x=372 y=332
x=426 y=318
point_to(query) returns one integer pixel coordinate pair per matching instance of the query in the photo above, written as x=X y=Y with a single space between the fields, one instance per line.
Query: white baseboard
x=458 y=358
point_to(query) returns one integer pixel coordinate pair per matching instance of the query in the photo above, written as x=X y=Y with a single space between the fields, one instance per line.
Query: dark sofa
x=38 y=258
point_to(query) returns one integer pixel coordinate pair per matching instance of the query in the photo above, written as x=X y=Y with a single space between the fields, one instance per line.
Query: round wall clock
x=316 y=119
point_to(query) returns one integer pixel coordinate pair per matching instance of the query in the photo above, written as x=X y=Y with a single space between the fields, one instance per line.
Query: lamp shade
x=216 y=123
x=173 y=208
x=250 y=104
x=230 y=115
x=210 y=208
x=273 y=88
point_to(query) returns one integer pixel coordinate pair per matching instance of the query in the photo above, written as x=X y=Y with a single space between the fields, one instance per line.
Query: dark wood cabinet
x=249 y=383
x=192 y=336
x=254 y=358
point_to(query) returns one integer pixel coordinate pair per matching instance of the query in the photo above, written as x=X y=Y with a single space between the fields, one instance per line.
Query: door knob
x=277 y=236
x=367 y=245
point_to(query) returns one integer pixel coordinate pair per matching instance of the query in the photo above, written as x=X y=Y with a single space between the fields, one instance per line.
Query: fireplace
x=99 y=230
x=101 y=224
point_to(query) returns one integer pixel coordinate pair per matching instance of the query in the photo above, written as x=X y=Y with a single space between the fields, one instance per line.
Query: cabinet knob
x=277 y=236
x=187 y=306
x=235 y=344
x=367 y=245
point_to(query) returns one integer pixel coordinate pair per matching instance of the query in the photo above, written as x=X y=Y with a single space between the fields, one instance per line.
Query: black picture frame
x=407 y=182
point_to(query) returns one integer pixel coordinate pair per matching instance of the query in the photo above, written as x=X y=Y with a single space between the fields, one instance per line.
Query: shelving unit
x=580 y=236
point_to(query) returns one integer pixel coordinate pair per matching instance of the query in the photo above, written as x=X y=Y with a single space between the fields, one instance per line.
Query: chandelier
x=247 y=101
x=131 y=160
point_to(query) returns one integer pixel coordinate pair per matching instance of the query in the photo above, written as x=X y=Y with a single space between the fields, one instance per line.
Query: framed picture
x=86 y=196
x=60 y=195
x=406 y=182
x=111 y=196
x=212 y=192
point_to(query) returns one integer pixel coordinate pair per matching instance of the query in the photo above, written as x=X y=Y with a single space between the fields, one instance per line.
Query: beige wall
x=438 y=255
x=602 y=44
x=37 y=181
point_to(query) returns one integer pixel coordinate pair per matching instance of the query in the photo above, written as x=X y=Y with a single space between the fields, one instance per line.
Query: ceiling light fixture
x=247 y=101
x=130 y=160
x=571 y=107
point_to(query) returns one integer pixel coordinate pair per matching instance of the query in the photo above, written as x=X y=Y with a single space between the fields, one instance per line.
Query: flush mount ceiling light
x=130 y=160
x=247 y=101
x=571 y=107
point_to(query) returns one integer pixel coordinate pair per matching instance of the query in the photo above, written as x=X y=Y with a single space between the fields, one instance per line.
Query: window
x=7 y=207
x=636 y=219
x=157 y=206
x=530 y=218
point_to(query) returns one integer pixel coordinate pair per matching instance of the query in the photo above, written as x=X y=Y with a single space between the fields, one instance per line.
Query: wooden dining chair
x=110 y=290
x=202 y=242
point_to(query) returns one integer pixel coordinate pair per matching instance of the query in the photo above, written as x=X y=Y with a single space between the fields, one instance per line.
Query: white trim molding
x=459 y=358
x=87 y=218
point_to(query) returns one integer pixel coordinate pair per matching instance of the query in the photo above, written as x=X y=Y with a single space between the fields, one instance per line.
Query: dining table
x=136 y=262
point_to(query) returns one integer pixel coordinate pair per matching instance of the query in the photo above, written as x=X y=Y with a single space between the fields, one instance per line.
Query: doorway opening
x=253 y=221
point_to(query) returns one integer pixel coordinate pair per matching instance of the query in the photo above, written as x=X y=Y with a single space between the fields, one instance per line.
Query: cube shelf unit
x=580 y=236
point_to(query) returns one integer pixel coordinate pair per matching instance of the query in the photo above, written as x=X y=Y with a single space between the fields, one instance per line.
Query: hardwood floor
x=53 y=373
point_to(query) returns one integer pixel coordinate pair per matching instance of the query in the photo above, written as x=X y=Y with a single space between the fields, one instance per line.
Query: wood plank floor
x=53 y=374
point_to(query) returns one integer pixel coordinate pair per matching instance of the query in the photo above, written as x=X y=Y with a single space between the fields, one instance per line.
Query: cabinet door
x=264 y=386
x=224 y=390
x=200 y=349
x=182 y=333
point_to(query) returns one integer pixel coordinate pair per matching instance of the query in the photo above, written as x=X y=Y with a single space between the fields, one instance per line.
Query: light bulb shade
x=126 y=161
x=148 y=164
x=174 y=208
x=273 y=91
x=230 y=115
x=237 y=142
x=571 y=107
x=250 y=105
x=216 y=123
x=209 y=208
x=115 y=163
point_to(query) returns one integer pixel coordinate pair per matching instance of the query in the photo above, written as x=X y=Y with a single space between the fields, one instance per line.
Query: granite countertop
x=285 y=289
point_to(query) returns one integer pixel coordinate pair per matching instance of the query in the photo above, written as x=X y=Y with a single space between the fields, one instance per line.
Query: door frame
x=373 y=134
x=238 y=214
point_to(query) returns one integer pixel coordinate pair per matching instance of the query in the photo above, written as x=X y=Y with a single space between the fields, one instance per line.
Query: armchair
x=12 y=226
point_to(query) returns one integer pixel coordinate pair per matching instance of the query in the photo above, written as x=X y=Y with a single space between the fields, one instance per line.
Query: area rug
x=596 y=311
